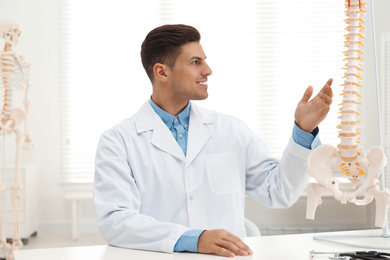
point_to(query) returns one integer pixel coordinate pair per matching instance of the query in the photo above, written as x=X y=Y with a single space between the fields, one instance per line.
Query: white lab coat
x=147 y=193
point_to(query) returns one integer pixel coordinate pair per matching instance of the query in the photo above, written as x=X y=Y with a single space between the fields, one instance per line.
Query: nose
x=207 y=70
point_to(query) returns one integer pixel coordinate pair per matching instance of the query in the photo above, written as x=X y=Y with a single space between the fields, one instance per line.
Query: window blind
x=263 y=54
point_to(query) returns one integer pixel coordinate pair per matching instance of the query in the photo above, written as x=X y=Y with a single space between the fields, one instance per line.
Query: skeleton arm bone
x=25 y=68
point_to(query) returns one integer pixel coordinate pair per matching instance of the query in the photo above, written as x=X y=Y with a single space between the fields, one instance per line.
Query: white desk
x=283 y=247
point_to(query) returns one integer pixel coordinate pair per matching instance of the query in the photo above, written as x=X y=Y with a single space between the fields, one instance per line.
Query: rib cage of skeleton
x=14 y=77
x=362 y=169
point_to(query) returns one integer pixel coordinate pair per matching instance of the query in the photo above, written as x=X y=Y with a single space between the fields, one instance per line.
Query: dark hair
x=163 y=45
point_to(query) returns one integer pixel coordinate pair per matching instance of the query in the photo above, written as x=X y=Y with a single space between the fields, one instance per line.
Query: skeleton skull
x=10 y=31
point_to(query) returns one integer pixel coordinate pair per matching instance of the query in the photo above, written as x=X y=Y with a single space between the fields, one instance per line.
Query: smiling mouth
x=202 y=83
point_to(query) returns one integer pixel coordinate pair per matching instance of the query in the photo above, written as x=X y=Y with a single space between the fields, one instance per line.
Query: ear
x=161 y=72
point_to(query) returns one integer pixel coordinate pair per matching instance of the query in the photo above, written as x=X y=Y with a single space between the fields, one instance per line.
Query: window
x=263 y=53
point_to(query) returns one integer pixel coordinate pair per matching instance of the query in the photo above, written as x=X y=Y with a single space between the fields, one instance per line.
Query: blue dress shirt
x=178 y=125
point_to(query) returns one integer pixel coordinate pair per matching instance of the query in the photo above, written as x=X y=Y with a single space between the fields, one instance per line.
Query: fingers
x=221 y=242
x=326 y=94
x=307 y=94
x=236 y=245
x=329 y=82
x=325 y=99
x=327 y=90
x=223 y=252
x=229 y=249
x=309 y=114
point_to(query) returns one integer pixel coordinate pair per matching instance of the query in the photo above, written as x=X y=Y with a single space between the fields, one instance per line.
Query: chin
x=202 y=97
x=205 y=96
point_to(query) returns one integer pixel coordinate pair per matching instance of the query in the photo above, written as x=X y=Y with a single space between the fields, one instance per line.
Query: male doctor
x=173 y=177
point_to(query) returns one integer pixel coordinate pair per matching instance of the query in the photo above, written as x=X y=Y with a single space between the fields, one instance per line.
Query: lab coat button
x=191 y=198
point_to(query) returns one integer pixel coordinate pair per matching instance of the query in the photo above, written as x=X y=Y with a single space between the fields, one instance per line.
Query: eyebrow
x=197 y=58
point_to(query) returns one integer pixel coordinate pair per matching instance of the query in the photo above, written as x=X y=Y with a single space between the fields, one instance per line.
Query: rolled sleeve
x=188 y=242
x=305 y=139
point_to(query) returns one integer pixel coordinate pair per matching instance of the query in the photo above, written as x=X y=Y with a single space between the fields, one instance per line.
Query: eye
x=195 y=62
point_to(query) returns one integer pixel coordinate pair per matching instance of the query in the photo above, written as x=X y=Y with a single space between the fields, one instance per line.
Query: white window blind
x=263 y=54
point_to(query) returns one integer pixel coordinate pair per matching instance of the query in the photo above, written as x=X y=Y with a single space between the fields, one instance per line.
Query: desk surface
x=266 y=247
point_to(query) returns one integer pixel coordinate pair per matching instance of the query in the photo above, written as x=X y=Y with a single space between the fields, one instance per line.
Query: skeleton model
x=349 y=158
x=14 y=76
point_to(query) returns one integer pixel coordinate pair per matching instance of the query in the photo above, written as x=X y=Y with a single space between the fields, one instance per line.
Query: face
x=188 y=77
x=12 y=36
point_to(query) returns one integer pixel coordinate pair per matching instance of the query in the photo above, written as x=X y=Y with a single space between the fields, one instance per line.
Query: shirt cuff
x=305 y=139
x=188 y=241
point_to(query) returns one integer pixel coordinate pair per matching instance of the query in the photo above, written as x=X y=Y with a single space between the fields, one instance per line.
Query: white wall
x=39 y=43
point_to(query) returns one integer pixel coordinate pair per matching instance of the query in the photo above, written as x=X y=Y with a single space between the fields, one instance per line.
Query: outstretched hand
x=309 y=114
x=223 y=243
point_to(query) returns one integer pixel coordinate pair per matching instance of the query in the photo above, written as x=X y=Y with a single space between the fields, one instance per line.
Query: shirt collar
x=169 y=119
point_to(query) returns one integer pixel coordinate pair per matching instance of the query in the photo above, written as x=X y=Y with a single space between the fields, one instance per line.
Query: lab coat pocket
x=223 y=173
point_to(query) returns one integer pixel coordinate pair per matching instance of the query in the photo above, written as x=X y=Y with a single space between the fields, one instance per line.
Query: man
x=173 y=177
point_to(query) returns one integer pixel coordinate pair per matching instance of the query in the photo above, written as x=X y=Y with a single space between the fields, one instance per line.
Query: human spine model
x=14 y=76
x=349 y=158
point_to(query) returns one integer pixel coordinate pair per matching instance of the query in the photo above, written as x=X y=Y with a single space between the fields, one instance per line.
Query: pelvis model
x=348 y=157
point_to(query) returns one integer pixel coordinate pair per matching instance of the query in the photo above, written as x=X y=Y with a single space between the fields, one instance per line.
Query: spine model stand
x=14 y=76
x=348 y=157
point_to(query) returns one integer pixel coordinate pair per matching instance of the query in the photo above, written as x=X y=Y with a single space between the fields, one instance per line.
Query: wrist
x=307 y=129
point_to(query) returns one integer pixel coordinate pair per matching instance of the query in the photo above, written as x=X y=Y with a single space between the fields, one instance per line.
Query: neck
x=7 y=47
x=171 y=106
